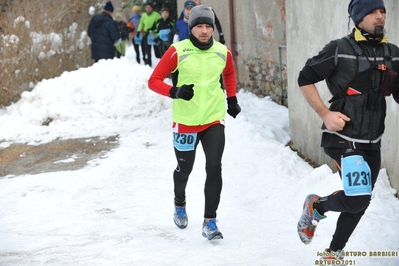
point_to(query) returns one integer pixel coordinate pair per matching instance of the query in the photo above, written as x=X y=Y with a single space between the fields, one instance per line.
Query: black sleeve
x=113 y=31
x=90 y=28
x=153 y=27
x=395 y=95
x=394 y=52
x=320 y=66
x=217 y=23
x=172 y=34
x=395 y=90
x=125 y=31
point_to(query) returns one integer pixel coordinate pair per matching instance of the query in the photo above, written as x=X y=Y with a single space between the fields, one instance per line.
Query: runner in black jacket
x=360 y=70
x=162 y=28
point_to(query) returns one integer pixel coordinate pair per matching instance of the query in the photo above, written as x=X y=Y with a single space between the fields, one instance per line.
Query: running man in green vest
x=146 y=22
x=197 y=65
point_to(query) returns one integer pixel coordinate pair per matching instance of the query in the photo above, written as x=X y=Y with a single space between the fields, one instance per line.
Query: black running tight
x=352 y=208
x=212 y=140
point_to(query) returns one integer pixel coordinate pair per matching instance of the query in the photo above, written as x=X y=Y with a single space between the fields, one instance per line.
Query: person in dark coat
x=104 y=34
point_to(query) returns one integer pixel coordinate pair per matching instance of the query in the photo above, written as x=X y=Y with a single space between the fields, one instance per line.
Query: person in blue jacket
x=104 y=34
x=133 y=23
x=217 y=22
x=181 y=31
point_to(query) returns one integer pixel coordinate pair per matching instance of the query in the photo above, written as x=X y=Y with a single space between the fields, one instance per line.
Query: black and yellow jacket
x=362 y=74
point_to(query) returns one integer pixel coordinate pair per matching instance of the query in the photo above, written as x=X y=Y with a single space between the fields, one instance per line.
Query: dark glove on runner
x=233 y=109
x=184 y=92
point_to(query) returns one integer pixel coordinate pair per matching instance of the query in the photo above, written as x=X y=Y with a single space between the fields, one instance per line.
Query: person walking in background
x=104 y=34
x=124 y=32
x=198 y=110
x=162 y=29
x=360 y=70
x=146 y=22
x=181 y=31
x=217 y=22
x=133 y=23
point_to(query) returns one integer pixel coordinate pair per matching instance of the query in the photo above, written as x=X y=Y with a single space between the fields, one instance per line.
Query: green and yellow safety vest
x=203 y=68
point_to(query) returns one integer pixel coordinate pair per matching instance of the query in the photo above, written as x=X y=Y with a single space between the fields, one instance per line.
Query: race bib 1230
x=184 y=141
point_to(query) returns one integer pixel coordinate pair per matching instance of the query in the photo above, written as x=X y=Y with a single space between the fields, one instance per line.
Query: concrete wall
x=390 y=141
x=259 y=30
x=310 y=25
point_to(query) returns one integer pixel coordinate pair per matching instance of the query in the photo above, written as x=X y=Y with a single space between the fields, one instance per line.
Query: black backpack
x=389 y=77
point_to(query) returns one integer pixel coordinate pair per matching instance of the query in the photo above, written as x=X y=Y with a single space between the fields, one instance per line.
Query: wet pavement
x=58 y=155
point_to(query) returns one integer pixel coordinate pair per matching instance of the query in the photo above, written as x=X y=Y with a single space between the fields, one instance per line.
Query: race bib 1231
x=356 y=176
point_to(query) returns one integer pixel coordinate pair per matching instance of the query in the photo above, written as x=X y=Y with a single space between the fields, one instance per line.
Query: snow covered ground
x=119 y=210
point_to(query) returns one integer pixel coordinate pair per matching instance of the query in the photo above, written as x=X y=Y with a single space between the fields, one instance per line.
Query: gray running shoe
x=210 y=229
x=180 y=217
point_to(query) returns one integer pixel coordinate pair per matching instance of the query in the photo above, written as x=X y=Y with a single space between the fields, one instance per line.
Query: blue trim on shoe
x=210 y=230
x=180 y=217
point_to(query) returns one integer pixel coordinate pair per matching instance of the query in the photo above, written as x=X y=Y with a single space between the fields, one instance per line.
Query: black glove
x=184 y=92
x=138 y=34
x=221 y=38
x=233 y=109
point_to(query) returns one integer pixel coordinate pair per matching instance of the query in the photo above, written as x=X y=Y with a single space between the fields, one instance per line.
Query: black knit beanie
x=109 y=7
x=358 y=9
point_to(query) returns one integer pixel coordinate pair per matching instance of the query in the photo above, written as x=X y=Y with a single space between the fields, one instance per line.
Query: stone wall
x=259 y=31
x=264 y=78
